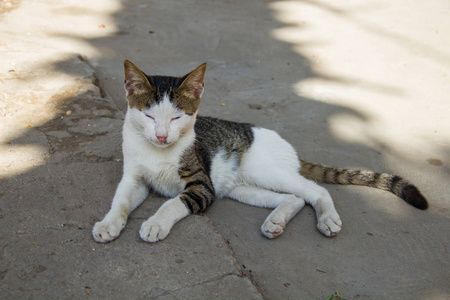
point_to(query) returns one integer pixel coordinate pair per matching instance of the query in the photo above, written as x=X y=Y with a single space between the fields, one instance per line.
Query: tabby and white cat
x=194 y=160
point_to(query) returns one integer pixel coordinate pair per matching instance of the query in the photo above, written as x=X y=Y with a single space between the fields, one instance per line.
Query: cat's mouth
x=161 y=144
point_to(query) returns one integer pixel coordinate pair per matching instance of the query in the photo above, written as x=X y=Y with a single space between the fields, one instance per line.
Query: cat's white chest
x=163 y=177
x=158 y=167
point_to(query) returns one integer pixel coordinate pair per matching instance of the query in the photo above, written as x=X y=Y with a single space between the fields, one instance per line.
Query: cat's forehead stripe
x=165 y=107
x=164 y=85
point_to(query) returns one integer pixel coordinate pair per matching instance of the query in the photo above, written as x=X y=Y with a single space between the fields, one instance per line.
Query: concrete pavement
x=353 y=85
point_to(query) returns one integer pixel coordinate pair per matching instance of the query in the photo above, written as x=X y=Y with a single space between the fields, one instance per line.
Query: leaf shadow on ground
x=246 y=66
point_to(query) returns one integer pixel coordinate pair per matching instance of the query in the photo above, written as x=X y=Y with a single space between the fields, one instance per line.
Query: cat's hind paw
x=330 y=225
x=152 y=231
x=273 y=228
x=104 y=232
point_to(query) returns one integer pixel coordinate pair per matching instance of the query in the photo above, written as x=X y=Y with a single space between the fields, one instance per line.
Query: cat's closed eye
x=151 y=117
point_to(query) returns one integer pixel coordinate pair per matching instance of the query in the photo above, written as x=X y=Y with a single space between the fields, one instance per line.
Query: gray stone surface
x=350 y=84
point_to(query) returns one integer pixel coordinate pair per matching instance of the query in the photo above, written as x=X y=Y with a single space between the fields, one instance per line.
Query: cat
x=194 y=160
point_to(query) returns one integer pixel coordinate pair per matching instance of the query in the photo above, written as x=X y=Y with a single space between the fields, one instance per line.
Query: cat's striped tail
x=383 y=181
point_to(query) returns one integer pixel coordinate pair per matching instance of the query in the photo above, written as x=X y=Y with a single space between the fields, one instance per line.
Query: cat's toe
x=330 y=225
x=272 y=229
x=104 y=232
x=152 y=232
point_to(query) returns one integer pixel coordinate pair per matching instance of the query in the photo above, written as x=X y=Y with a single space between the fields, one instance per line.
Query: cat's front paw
x=330 y=224
x=154 y=231
x=273 y=227
x=104 y=232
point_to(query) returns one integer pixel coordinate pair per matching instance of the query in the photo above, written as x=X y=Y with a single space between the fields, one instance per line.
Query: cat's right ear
x=135 y=80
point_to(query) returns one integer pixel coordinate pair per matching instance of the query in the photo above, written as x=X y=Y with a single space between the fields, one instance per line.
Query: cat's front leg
x=198 y=194
x=158 y=226
x=129 y=194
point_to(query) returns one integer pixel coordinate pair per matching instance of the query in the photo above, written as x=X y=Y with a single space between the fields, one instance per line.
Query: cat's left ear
x=193 y=84
x=135 y=80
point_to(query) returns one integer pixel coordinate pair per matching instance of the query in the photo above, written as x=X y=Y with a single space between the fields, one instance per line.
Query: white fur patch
x=224 y=172
x=161 y=120
x=269 y=156
x=148 y=164
x=157 y=165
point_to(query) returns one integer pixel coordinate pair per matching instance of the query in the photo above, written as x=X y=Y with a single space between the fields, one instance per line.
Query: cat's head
x=164 y=108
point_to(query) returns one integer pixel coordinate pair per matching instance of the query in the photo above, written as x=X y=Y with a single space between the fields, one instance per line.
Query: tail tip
x=413 y=196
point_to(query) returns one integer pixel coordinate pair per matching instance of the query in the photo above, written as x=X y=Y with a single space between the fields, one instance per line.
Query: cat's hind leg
x=328 y=220
x=286 y=206
x=272 y=163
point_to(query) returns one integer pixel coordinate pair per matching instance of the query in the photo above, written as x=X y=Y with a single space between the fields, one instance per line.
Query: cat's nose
x=161 y=138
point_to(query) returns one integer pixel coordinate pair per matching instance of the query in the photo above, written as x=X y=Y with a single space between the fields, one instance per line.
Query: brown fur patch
x=143 y=90
x=137 y=86
x=188 y=95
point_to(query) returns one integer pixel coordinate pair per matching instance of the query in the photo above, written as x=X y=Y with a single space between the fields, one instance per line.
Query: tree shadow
x=251 y=76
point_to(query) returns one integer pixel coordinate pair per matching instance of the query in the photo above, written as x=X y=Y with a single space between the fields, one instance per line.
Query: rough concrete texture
x=350 y=84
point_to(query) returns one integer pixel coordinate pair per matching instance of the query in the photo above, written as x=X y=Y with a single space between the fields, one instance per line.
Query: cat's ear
x=193 y=83
x=135 y=80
